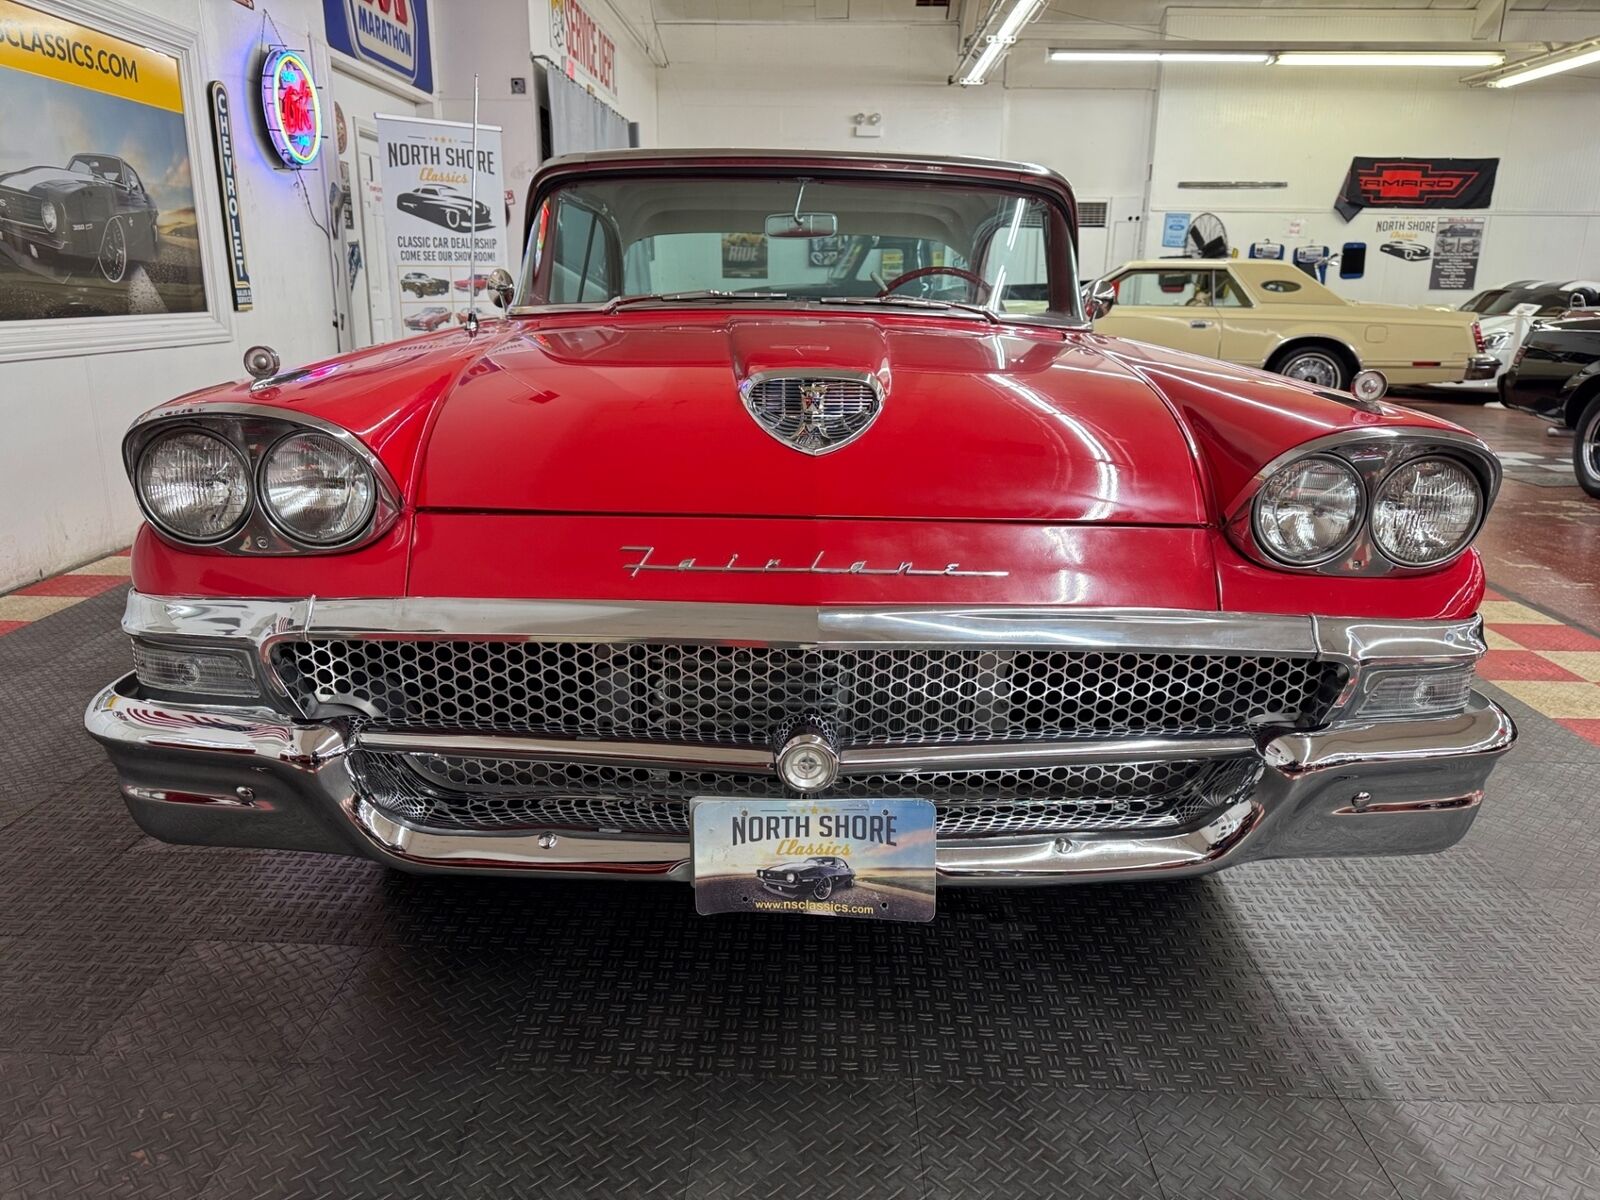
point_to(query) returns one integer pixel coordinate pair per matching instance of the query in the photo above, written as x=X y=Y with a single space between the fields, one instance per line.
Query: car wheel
x=452 y=218
x=114 y=251
x=822 y=889
x=1586 y=449
x=1314 y=365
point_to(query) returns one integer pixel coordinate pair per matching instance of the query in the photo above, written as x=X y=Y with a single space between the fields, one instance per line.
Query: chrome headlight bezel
x=1374 y=454
x=50 y=217
x=252 y=430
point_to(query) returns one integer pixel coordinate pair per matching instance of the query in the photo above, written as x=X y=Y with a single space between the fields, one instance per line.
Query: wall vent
x=1092 y=214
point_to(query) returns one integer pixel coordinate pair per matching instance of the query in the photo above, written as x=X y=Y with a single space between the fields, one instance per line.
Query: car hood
x=32 y=177
x=641 y=413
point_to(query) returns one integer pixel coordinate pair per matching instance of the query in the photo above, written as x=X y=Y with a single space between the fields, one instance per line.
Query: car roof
x=678 y=157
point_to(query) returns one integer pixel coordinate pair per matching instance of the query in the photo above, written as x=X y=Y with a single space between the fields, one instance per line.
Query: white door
x=380 y=315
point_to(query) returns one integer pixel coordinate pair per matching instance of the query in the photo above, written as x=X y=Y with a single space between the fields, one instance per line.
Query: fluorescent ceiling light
x=1544 y=69
x=999 y=41
x=1388 y=58
x=980 y=68
x=1194 y=56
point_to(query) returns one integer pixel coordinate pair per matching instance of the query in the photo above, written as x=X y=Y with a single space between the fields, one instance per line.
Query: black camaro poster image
x=97 y=208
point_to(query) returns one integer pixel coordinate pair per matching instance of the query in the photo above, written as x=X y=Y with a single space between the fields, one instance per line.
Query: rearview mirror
x=501 y=287
x=1098 y=297
x=803 y=225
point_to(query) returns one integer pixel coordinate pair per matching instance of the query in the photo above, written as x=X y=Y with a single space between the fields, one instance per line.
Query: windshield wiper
x=617 y=302
x=912 y=302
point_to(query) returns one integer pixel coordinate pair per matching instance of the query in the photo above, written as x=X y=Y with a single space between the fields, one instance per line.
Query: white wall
x=63 y=496
x=1303 y=126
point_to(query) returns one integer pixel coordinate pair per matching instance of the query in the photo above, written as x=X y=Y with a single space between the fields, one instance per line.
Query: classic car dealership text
x=903 y=597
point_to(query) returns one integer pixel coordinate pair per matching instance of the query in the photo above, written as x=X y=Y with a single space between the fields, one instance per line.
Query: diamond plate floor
x=231 y=1024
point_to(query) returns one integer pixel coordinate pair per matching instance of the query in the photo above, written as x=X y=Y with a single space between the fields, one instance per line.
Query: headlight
x=49 y=218
x=194 y=486
x=789 y=878
x=1426 y=512
x=1309 y=511
x=316 y=489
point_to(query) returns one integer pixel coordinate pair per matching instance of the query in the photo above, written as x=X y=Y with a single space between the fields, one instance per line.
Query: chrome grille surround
x=813 y=411
x=488 y=794
x=737 y=695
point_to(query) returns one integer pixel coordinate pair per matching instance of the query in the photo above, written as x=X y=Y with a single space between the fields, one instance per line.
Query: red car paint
x=547 y=455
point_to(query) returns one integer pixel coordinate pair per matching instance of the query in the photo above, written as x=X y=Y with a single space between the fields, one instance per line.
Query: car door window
x=1227 y=293
x=582 y=268
x=1165 y=289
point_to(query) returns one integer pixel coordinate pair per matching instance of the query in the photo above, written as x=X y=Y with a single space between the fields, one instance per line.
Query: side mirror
x=501 y=287
x=1098 y=297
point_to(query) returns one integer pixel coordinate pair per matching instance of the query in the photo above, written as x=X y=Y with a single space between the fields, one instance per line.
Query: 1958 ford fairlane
x=689 y=526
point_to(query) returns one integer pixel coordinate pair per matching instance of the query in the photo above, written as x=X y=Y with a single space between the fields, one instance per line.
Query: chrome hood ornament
x=815 y=412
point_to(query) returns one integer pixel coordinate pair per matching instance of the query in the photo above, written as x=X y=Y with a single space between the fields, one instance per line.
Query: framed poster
x=107 y=202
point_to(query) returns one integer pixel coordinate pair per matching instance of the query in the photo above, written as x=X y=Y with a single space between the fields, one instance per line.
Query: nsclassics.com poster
x=431 y=218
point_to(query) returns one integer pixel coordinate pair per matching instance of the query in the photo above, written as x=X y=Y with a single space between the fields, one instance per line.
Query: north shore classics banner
x=1416 y=183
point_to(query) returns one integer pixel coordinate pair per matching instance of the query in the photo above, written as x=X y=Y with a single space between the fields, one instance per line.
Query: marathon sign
x=1416 y=183
x=585 y=50
x=391 y=35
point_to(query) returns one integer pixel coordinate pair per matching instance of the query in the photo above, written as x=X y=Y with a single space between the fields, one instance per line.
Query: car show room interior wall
x=64 y=497
x=1302 y=126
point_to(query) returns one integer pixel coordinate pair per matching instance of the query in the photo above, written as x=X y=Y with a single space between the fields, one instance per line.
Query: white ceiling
x=1136 y=16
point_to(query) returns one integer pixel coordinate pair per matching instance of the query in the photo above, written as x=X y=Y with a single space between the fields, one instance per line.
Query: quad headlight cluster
x=258 y=484
x=1371 y=507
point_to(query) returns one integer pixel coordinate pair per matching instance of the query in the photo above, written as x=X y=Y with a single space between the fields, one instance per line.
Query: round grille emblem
x=806 y=755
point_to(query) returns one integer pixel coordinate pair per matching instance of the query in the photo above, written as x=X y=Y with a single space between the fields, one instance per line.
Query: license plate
x=869 y=859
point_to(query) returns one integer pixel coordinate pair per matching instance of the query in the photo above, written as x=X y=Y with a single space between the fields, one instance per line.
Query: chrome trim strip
x=862 y=760
x=1444 y=804
x=1483 y=729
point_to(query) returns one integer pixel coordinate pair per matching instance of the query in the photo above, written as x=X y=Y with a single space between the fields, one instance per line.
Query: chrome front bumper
x=258 y=776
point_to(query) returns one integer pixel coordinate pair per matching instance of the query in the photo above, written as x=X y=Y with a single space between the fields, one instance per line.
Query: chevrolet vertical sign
x=389 y=34
x=1416 y=183
x=222 y=135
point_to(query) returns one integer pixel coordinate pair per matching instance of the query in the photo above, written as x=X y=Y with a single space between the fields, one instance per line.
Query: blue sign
x=1174 y=231
x=391 y=35
x=1313 y=260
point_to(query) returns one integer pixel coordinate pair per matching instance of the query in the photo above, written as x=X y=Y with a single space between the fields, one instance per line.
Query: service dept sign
x=391 y=35
x=870 y=859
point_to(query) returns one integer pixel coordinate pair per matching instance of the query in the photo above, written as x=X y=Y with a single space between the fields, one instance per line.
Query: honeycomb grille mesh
x=456 y=792
x=739 y=695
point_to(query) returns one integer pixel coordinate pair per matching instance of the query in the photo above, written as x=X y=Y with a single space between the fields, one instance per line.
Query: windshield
x=1548 y=301
x=790 y=240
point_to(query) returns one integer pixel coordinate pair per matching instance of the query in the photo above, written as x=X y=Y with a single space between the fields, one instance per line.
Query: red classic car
x=693 y=526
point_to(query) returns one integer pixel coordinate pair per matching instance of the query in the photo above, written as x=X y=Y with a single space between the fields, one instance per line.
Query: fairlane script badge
x=776 y=566
x=828 y=858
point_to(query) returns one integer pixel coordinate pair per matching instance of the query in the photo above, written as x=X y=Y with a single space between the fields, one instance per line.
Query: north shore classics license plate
x=832 y=858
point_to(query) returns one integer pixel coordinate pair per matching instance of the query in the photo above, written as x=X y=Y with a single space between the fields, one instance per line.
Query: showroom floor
x=220 y=1023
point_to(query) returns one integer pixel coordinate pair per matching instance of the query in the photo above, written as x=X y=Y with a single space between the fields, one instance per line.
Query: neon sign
x=289 y=104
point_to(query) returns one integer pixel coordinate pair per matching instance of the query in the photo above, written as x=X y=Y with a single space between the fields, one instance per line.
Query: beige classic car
x=1273 y=315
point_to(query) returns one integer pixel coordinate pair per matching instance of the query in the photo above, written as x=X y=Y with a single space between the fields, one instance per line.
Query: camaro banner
x=97 y=212
x=1416 y=183
x=431 y=218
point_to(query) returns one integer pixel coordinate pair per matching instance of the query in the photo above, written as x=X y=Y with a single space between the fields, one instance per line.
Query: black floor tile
x=1026 y=1142
x=155 y=1129
x=1480 y=1151
x=1258 y=1148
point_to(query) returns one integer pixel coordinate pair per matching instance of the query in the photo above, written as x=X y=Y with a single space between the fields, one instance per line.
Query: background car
x=1555 y=375
x=1410 y=251
x=93 y=213
x=429 y=318
x=420 y=283
x=477 y=283
x=1262 y=313
x=1507 y=314
x=817 y=877
x=446 y=206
